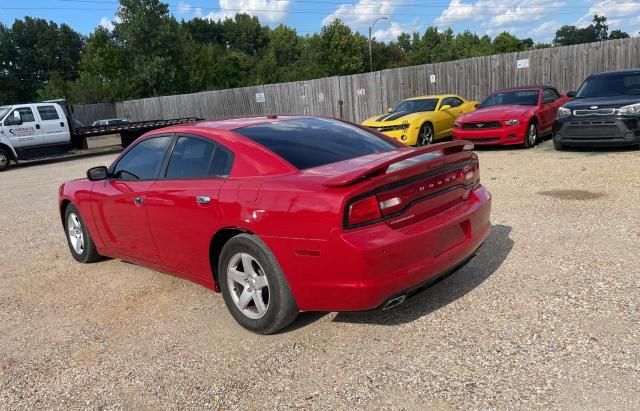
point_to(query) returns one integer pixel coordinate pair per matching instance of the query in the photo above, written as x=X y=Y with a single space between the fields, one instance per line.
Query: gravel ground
x=546 y=316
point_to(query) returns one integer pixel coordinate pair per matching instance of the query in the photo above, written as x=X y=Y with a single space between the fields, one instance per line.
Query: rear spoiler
x=382 y=166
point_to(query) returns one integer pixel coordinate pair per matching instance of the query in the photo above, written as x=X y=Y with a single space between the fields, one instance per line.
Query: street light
x=370 y=30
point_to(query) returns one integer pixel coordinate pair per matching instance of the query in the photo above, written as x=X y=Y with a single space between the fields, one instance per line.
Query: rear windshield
x=609 y=85
x=313 y=142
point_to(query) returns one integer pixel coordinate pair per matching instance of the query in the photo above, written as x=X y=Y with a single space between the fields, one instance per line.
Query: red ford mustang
x=283 y=214
x=511 y=116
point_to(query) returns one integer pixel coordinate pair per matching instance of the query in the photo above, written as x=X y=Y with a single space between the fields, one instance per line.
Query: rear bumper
x=492 y=136
x=362 y=268
x=612 y=131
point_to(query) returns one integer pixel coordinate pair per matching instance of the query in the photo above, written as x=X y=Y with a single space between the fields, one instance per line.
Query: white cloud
x=272 y=11
x=107 y=23
x=620 y=15
x=361 y=14
x=497 y=15
x=546 y=31
x=393 y=31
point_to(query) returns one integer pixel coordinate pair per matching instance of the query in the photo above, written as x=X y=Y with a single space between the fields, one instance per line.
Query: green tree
x=340 y=50
x=507 y=43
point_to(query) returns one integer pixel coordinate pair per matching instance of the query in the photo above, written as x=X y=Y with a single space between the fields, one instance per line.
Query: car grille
x=596 y=112
x=602 y=129
x=487 y=124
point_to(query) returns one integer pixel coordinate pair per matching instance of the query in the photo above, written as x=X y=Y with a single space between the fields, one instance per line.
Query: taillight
x=363 y=211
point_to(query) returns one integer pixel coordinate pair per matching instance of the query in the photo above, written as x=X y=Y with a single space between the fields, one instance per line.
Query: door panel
x=27 y=134
x=53 y=126
x=120 y=211
x=183 y=227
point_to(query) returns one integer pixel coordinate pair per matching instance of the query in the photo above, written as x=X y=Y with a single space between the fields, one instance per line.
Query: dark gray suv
x=605 y=111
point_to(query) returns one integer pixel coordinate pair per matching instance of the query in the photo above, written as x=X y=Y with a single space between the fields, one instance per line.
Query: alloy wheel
x=76 y=237
x=426 y=136
x=532 y=135
x=248 y=285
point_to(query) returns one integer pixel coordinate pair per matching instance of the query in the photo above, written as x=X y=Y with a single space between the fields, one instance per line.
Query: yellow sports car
x=422 y=120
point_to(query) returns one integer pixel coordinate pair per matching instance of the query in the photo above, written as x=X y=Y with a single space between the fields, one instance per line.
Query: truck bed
x=138 y=126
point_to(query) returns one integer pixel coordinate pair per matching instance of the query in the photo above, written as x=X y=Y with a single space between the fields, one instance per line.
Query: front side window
x=516 y=97
x=312 y=142
x=142 y=161
x=26 y=115
x=549 y=96
x=48 y=113
x=452 y=101
x=198 y=158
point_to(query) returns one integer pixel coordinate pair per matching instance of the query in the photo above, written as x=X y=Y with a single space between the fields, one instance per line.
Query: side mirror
x=98 y=173
x=445 y=107
x=571 y=94
x=390 y=110
x=476 y=105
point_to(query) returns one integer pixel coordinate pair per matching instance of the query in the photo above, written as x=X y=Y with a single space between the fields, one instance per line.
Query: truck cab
x=28 y=127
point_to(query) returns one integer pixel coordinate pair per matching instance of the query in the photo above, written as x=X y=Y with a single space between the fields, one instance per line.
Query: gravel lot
x=547 y=316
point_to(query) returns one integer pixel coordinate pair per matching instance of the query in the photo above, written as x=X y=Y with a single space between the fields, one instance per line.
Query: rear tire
x=5 y=159
x=254 y=287
x=79 y=240
x=425 y=135
x=531 y=138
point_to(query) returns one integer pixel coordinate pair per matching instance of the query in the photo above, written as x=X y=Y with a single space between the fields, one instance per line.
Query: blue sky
x=537 y=19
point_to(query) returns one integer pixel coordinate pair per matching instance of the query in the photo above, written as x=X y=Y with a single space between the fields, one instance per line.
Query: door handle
x=203 y=199
x=138 y=200
x=38 y=126
x=62 y=124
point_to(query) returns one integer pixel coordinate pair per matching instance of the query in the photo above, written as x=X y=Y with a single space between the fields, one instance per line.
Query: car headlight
x=633 y=110
x=456 y=125
x=563 y=112
x=512 y=122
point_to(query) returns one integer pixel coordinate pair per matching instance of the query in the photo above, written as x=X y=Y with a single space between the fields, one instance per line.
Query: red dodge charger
x=511 y=116
x=283 y=214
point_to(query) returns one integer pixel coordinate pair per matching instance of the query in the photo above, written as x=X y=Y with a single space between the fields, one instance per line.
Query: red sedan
x=511 y=116
x=283 y=214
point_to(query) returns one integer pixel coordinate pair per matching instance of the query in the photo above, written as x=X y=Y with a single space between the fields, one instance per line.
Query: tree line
x=150 y=53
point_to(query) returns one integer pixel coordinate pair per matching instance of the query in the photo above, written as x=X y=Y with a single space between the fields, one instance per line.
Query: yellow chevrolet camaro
x=422 y=120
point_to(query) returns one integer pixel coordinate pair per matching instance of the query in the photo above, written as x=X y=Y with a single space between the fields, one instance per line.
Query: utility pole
x=370 y=30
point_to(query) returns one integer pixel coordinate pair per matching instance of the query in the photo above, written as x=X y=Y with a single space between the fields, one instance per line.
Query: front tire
x=531 y=138
x=254 y=287
x=425 y=135
x=5 y=159
x=79 y=240
x=557 y=145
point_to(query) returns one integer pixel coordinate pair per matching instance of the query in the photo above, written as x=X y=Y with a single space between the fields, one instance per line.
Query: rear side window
x=198 y=158
x=313 y=142
x=143 y=161
x=48 y=113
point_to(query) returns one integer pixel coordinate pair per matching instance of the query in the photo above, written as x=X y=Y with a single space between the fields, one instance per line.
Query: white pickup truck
x=36 y=130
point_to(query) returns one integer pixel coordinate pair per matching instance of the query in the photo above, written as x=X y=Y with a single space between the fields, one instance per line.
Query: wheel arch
x=217 y=243
x=12 y=153
x=63 y=209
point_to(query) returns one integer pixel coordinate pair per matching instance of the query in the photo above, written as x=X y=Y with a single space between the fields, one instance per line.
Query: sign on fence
x=361 y=92
x=432 y=78
x=260 y=98
x=524 y=63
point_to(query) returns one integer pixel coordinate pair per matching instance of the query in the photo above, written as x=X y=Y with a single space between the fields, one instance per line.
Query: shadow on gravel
x=490 y=257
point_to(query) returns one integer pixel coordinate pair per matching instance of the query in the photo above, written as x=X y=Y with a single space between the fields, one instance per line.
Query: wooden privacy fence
x=359 y=96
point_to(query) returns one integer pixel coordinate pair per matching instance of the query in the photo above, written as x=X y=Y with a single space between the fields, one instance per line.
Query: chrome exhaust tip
x=395 y=301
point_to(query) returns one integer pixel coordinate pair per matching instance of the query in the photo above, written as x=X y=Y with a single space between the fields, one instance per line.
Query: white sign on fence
x=432 y=78
x=524 y=63
x=260 y=98
x=361 y=92
x=321 y=97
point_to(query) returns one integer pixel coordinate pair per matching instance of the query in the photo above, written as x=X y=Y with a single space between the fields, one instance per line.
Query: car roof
x=614 y=72
x=438 y=96
x=533 y=87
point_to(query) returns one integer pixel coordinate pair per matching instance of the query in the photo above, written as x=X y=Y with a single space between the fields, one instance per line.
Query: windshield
x=519 y=97
x=610 y=85
x=3 y=111
x=412 y=106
